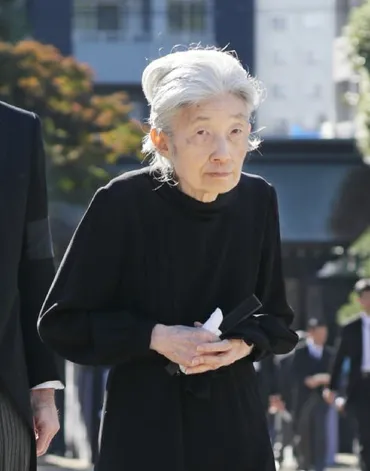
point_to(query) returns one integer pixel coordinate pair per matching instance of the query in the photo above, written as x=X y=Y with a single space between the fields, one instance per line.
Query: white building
x=294 y=60
x=117 y=37
x=345 y=79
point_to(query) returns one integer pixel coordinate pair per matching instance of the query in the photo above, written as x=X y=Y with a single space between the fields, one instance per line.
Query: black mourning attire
x=26 y=273
x=350 y=346
x=146 y=253
x=309 y=408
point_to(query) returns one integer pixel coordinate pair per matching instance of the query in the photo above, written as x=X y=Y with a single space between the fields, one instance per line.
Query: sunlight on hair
x=187 y=76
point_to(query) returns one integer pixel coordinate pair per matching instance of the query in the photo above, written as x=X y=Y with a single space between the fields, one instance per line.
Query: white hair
x=187 y=77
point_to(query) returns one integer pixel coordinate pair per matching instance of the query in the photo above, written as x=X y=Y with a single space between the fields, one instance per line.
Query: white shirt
x=365 y=367
x=257 y=365
x=314 y=350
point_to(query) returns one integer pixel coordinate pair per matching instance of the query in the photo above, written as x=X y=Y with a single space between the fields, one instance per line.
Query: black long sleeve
x=145 y=253
x=36 y=268
x=79 y=319
x=270 y=332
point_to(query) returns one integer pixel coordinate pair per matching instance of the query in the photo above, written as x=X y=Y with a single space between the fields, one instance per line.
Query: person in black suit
x=310 y=367
x=354 y=344
x=284 y=368
x=28 y=372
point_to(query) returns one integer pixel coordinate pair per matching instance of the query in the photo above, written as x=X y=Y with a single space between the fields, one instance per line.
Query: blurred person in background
x=268 y=381
x=158 y=251
x=283 y=405
x=28 y=372
x=354 y=344
x=309 y=374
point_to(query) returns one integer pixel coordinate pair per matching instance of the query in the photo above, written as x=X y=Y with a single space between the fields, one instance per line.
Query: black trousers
x=360 y=409
x=15 y=439
x=311 y=434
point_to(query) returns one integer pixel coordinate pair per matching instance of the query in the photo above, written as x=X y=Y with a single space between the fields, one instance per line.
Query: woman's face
x=207 y=146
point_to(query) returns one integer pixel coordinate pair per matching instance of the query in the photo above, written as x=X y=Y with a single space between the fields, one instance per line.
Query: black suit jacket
x=304 y=365
x=349 y=346
x=26 y=263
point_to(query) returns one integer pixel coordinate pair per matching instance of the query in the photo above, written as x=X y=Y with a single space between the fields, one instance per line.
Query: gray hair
x=186 y=77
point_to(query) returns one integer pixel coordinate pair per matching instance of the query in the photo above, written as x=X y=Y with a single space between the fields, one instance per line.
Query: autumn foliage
x=84 y=133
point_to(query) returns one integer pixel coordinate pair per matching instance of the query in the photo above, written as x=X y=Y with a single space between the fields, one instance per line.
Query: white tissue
x=212 y=324
x=214 y=321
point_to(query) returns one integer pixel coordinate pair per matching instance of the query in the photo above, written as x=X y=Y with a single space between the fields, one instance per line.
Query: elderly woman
x=157 y=252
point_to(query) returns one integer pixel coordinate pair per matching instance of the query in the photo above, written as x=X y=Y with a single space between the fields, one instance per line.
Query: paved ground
x=54 y=463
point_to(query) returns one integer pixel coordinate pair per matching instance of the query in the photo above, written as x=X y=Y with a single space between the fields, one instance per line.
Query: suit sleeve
x=337 y=363
x=36 y=268
x=82 y=319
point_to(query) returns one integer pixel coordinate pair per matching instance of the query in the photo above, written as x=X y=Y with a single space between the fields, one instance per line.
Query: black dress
x=145 y=253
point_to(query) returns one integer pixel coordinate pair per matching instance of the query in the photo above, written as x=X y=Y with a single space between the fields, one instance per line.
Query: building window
x=108 y=18
x=187 y=15
x=99 y=15
x=313 y=20
x=146 y=14
x=111 y=19
x=279 y=23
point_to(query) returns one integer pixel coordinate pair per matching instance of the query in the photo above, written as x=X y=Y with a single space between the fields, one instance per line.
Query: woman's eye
x=201 y=132
x=236 y=131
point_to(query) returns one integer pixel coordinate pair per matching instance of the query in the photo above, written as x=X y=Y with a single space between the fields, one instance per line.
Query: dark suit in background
x=26 y=272
x=350 y=345
x=268 y=380
x=308 y=407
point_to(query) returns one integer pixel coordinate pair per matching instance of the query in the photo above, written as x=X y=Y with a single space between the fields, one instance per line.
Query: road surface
x=54 y=463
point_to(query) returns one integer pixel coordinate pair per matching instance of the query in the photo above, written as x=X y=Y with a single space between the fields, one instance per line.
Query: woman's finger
x=211 y=361
x=215 y=347
x=198 y=324
x=194 y=370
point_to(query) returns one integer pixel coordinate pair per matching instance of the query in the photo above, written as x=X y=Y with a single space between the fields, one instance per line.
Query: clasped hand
x=196 y=349
x=45 y=416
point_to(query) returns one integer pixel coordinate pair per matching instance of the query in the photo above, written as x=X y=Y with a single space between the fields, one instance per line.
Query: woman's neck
x=202 y=196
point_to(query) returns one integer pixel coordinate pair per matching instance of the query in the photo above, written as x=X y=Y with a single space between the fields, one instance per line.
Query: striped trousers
x=15 y=439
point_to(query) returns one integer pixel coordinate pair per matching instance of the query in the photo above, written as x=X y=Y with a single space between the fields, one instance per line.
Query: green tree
x=360 y=251
x=84 y=133
x=358 y=35
x=13 y=20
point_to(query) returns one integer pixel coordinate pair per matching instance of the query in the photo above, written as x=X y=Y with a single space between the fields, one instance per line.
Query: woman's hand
x=213 y=357
x=180 y=344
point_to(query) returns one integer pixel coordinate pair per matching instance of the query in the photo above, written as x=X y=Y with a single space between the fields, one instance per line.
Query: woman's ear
x=161 y=142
